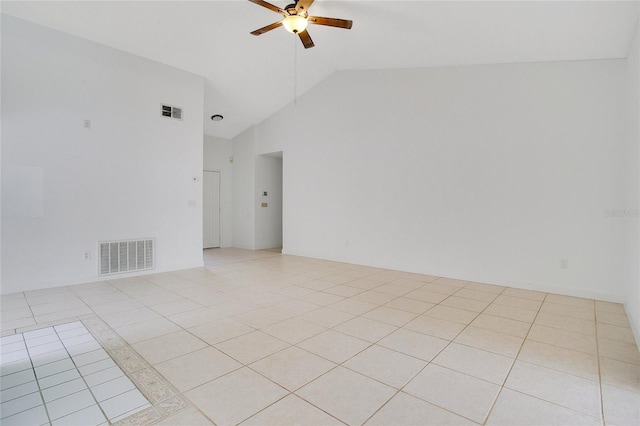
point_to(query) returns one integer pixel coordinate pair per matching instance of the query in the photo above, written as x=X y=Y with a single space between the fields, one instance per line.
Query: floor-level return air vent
x=126 y=256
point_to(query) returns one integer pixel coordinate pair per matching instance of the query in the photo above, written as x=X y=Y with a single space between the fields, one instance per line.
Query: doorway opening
x=269 y=210
x=210 y=209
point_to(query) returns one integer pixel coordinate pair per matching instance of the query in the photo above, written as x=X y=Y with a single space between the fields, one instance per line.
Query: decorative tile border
x=166 y=400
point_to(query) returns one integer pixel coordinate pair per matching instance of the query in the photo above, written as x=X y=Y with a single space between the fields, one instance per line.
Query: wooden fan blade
x=269 y=6
x=305 y=38
x=266 y=28
x=303 y=5
x=330 y=22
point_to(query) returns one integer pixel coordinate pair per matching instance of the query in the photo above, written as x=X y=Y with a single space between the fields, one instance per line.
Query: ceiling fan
x=296 y=19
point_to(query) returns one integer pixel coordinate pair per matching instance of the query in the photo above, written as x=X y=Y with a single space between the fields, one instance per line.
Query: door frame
x=221 y=174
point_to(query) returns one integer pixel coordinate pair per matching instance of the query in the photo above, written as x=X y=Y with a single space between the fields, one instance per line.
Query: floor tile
x=566 y=323
x=517 y=408
x=365 y=329
x=9 y=393
x=123 y=404
x=463 y=303
x=348 y=396
x=560 y=388
x=414 y=344
x=570 y=301
x=462 y=394
x=620 y=406
x=573 y=362
x=587 y=314
x=353 y=307
x=194 y=369
x=103 y=376
x=20 y=404
x=460 y=316
x=509 y=312
x=462 y=283
x=112 y=388
x=295 y=307
x=292 y=367
x=235 y=397
x=435 y=327
x=385 y=365
x=428 y=296
x=294 y=300
x=620 y=374
x=251 y=347
x=168 y=346
x=404 y=409
x=219 y=331
x=146 y=330
x=613 y=332
x=475 y=362
x=619 y=350
x=502 y=325
x=343 y=291
x=262 y=317
x=327 y=317
x=390 y=316
x=293 y=330
x=326 y=297
x=34 y=416
x=468 y=293
x=191 y=417
x=525 y=294
x=69 y=404
x=89 y=416
x=59 y=378
x=491 y=341
x=334 y=346
x=518 y=302
x=566 y=339
x=375 y=297
x=130 y=317
x=175 y=307
x=63 y=389
x=291 y=411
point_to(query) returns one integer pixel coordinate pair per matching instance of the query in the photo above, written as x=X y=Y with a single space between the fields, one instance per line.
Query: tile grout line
x=515 y=359
x=436 y=355
x=82 y=375
x=600 y=394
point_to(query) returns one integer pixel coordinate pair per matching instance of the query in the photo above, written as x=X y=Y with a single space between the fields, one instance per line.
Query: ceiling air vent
x=171 y=112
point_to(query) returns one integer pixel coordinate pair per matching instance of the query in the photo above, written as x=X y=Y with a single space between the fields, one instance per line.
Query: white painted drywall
x=244 y=187
x=632 y=283
x=128 y=176
x=217 y=155
x=268 y=219
x=488 y=173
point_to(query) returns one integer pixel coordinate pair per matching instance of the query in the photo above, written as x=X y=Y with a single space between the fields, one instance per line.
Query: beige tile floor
x=260 y=338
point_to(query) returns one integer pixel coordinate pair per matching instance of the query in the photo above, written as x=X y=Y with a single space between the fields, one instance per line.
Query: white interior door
x=211 y=209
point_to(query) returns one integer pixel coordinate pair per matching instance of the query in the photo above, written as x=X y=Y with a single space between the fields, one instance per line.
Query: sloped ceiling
x=249 y=78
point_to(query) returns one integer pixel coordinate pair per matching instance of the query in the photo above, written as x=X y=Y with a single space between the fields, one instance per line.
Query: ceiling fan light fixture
x=295 y=23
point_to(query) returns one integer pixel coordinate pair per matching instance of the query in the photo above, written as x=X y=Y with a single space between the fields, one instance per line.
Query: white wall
x=487 y=173
x=268 y=219
x=217 y=152
x=244 y=189
x=128 y=176
x=632 y=287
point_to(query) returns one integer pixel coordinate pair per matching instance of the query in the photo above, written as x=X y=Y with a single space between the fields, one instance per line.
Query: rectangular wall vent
x=171 y=112
x=126 y=256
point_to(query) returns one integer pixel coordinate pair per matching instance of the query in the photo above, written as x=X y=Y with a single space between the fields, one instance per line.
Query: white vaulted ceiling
x=249 y=78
